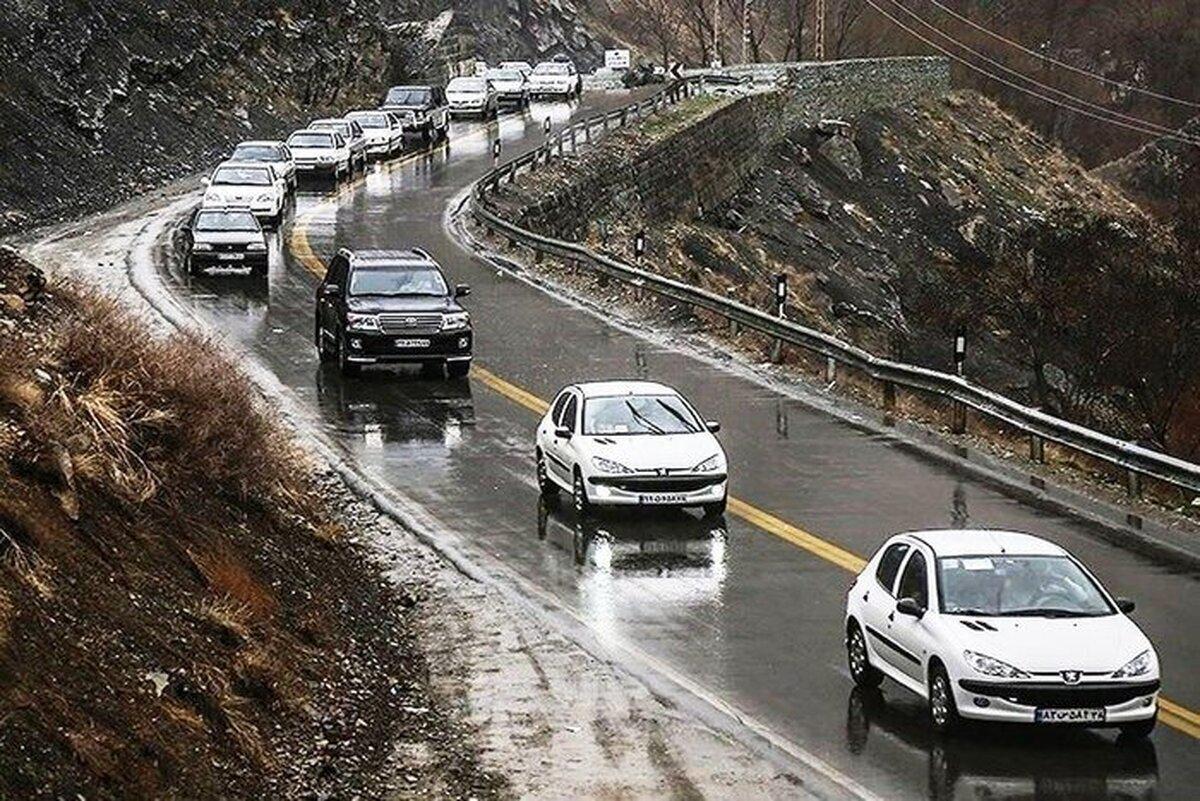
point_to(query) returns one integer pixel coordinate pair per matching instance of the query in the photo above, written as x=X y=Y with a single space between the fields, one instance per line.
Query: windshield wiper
x=971 y=612
x=1051 y=612
x=654 y=428
x=686 y=423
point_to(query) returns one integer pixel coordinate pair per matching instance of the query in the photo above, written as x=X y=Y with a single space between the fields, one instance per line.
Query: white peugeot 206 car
x=630 y=443
x=1000 y=626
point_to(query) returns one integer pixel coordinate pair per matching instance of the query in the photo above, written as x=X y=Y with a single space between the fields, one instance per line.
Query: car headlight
x=324 y=157
x=990 y=666
x=202 y=246
x=362 y=322
x=263 y=198
x=1138 y=666
x=609 y=466
x=709 y=465
x=455 y=321
x=258 y=246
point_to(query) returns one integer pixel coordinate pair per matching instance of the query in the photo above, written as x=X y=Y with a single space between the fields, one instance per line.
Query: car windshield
x=404 y=96
x=311 y=140
x=241 y=176
x=639 y=414
x=550 y=68
x=332 y=125
x=503 y=75
x=467 y=85
x=395 y=281
x=1018 y=586
x=371 y=120
x=257 y=153
x=225 y=221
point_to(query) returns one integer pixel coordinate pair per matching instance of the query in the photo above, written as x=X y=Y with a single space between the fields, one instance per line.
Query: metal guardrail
x=1136 y=460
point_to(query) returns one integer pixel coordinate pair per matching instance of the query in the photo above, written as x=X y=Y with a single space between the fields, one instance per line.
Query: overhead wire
x=1140 y=128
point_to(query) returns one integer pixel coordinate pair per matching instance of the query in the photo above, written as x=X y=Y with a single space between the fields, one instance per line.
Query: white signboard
x=616 y=59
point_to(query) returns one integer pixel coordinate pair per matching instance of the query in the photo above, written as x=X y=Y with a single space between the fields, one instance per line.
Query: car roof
x=383 y=258
x=260 y=143
x=984 y=542
x=258 y=165
x=600 y=389
x=325 y=120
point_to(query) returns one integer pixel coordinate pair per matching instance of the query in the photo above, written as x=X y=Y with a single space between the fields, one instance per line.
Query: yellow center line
x=1170 y=713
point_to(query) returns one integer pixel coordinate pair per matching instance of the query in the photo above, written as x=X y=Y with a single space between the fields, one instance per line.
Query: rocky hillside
x=898 y=226
x=1159 y=175
x=105 y=98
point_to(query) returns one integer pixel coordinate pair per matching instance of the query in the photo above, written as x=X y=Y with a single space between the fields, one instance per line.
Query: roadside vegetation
x=181 y=611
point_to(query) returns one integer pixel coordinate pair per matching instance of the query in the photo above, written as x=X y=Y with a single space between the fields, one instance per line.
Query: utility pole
x=819 y=33
x=716 y=59
x=746 y=31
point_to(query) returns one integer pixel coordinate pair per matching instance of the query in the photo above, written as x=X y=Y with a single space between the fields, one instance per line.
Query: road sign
x=676 y=70
x=616 y=59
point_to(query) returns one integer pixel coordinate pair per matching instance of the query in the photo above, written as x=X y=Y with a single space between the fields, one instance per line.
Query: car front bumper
x=473 y=110
x=1019 y=702
x=648 y=490
x=231 y=259
x=550 y=91
x=377 y=348
x=316 y=167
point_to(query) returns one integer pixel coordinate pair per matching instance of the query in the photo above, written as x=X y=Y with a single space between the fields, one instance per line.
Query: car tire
x=858 y=658
x=943 y=712
x=717 y=509
x=546 y=486
x=258 y=272
x=458 y=369
x=191 y=267
x=325 y=353
x=579 y=495
x=1139 y=730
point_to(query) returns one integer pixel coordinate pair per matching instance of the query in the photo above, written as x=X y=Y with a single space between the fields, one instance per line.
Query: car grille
x=415 y=323
x=662 y=483
x=1061 y=696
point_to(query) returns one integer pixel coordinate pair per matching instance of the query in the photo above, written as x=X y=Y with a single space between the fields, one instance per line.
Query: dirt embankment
x=183 y=613
x=103 y=100
x=898 y=226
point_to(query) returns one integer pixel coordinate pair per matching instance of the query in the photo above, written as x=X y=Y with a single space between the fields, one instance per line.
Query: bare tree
x=659 y=22
x=795 y=14
x=844 y=18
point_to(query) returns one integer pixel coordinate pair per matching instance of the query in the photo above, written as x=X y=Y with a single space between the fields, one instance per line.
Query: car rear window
x=226 y=221
x=467 y=85
x=407 y=96
x=242 y=176
x=311 y=140
x=257 y=153
x=371 y=120
x=331 y=125
x=550 y=68
x=503 y=75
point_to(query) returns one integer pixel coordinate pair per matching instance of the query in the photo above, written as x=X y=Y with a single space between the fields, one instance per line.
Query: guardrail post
x=734 y=328
x=574 y=144
x=512 y=173
x=1133 y=484
x=830 y=370
x=958 y=425
x=1037 y=449
x=780 y=303
x=889 y=400
x=624 y=117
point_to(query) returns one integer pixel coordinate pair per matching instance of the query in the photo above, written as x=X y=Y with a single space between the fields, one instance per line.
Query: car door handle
x=891 y=617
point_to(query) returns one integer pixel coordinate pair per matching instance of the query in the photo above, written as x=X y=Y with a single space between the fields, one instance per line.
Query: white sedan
x=248 y=184
x=630 y=443
x=1000 y=626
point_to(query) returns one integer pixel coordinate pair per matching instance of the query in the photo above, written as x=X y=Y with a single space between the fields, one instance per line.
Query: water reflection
x=1002 y=762
x=399 y=405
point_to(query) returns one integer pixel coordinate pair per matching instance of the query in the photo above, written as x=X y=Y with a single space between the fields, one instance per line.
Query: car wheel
x=258 y=272
x=325 y=352
x=579 y=495
x=458 y=369
x=345 y=366
x=547 y=487
x=942 y=710
x=1140 y=730
x=715 y=509
x=859 y=661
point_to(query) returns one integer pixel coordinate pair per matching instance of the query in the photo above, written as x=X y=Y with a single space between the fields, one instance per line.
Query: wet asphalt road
x=747 y=615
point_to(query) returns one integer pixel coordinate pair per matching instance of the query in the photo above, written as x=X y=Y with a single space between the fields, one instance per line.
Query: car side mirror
x=462 y=290
x=204 y=182
x=562 y=432
x=332 y=290
x=713 y=426
x=910 y=607
x=1126 y=605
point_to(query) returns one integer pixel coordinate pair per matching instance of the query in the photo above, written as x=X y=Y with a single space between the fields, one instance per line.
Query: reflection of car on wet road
x=666 y=543
x=392 y=307
x=1000 y=626
x=1009 y=763
x=225 y=238
x=251 y=185
x=630 y=443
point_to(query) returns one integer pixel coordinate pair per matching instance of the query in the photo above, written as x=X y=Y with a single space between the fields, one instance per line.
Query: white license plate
x=662 y=497
x=230 y=256
x=412 y=343
x=1069 y=715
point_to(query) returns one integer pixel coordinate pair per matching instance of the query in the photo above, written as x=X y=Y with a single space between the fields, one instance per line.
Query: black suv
x=422 y=110
x=392 y=306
